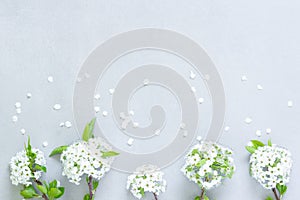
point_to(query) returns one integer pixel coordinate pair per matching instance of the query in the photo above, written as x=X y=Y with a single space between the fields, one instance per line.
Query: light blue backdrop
x=257 y=38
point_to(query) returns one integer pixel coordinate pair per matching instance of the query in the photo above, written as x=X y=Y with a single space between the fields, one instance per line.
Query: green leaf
x=95 y=184
x=41 y=168
x=269 y=143
x=281 y=189
x=42 y=188
x=250 y=149
x=142 y=192
x=28 y=192
x=58 y=150
x=28 y=144
x=62 y=189
x=86 y=197
x=88 y=130
x=54 y=192
x=206 y=197
x=109 y=154
x=197 y=198
x=269 y=198
x=257 y=143
x=53 y=184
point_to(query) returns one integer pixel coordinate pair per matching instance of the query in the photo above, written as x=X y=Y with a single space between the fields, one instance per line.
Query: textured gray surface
x=259 y=39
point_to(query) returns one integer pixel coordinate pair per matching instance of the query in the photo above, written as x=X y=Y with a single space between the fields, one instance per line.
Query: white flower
x=84 y=158
x=208 y=164
x=20 y=172
x=146 y=179
x=271 y=165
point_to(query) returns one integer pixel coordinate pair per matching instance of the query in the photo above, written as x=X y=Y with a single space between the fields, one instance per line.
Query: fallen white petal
x=45 y=144
x=111 y=91
x=290 y=104
x=227 y=128
x=146 y=82
x=97 y=96
x=258 y=133
x=193 y=89
x=68 y=124
x=248 y=120
x=199 y=138
x=244 y=78
x=50 y=79
x=157 y=132
x=57 y=107
x=192 y=75
x=135 y=124
x=185 y=133
x=259 y=87
x=131 y=112
x=130 y=141
x=62 y=124
x=268 y=131
x=201 y=100
x=104 y=113
x=18 y=105
x=97 y=109
x=22 y=131
x=18 y=110
x=28 y=95
x=14 y=118
x=182 y=125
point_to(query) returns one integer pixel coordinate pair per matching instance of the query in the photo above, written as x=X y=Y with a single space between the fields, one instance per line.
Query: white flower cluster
x=270 y=165
x=146 y=179
x=208 y=164
x=20 y=172
x=85 y=158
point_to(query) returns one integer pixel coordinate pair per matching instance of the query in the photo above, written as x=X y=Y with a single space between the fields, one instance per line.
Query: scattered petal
x=104 y=113
x=259 y=87
x=18 y=110
x=45 y=144
x=146 y=82
x=57 y=107
x=227 y=128
x=97 y=96
x=248 y=120
x=62 y=124
x=131 y=112
x=18 y=105
x=68 y=124
x=244 y=78
x=135 y=124
x=111 y=91
x=14 y=118
x=192 y=75
x=50 y=79
x=22 y=131
x=193 y=89
x=97 y=109
x=79 y=80
x=290 y=104
x=182 y=125
x=268 y=131
x=199 y=138
x=28 y=95
x=157 y=132
x=258 y=133
x=130 y=141
x=185 y=133
x=122 y=115
x=201 y=100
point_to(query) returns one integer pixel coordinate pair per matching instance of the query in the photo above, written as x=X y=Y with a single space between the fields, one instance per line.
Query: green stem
x=275 y=193
x=202 y=194
x=90 y=182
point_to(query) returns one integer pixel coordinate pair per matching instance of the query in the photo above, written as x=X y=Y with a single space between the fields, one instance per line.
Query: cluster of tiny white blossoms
x=208 y=164
x=85 y=158
x=20 y=172
x=146 y=179
x=271 y=165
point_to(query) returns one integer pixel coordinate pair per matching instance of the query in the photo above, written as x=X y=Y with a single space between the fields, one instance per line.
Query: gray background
x=256 y=38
